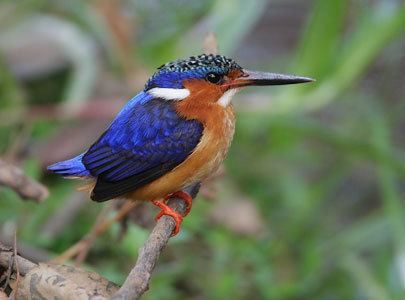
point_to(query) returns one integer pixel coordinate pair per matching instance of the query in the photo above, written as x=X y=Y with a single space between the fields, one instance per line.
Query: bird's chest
x=215 y=142
x=220 y=138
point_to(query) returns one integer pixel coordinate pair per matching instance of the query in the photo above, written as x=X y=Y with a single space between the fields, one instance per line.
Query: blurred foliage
x=322 y=163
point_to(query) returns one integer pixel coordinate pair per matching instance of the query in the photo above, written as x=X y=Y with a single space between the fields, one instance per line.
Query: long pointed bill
x=263 y=78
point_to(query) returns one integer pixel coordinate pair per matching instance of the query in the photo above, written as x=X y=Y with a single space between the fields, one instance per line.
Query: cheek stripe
x=227 y=97
x=169 y=94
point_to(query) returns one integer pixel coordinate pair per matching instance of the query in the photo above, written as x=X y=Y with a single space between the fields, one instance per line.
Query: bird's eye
x=214 y=77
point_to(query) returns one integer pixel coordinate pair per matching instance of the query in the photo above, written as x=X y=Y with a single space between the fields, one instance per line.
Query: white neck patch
x=227 y=97
x=169 y=94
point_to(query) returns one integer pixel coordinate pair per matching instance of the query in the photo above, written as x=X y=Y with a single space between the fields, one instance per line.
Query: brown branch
x=17 y=268
x=26 y=187
x=23 y=265
x=46 y=281
x=137 y=282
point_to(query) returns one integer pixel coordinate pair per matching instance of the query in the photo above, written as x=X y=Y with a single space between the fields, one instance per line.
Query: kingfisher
x=174 y=133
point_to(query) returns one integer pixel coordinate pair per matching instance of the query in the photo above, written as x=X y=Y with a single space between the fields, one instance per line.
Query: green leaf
x=320 y=43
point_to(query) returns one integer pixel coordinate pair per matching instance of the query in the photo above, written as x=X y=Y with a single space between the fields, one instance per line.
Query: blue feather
x=146 y=133
x=71 y=167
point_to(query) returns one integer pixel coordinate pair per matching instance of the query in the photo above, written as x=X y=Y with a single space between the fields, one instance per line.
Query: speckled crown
x=172 y=74
x=203 y=60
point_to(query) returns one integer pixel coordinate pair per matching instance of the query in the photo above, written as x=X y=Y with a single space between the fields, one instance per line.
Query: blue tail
x=71 y=167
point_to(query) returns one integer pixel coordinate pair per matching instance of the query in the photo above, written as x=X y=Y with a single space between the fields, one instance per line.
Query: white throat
x=169 y=94
x=227 y=97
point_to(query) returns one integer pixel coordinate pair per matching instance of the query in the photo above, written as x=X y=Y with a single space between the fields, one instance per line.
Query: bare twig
x=27 y=188
x=138 y=279
x=17 y=268
x=8 y=274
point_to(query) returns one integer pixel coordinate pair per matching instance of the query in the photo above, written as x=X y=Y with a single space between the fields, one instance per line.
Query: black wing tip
x=96 y=197
x=102 y=196
x=104 y=191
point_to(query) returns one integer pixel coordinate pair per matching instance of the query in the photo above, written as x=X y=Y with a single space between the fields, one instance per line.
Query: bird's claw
x=184 y=196
x=168 y=211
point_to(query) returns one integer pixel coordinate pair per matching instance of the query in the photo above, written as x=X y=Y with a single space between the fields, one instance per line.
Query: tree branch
x=138 y=279
x=26 y=187
x=23 y=265
x=137 y=282
x=50 y=281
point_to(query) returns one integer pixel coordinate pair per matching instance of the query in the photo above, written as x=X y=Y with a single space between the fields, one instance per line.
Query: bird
x=175 y=132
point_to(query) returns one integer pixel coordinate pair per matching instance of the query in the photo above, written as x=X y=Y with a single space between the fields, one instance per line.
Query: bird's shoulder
x=146 y=120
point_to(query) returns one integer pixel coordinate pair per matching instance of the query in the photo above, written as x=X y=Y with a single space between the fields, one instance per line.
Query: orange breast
x=219 y=127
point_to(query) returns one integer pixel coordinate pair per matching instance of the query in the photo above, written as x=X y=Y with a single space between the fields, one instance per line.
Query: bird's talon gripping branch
x=168 y=211
x=185 y=197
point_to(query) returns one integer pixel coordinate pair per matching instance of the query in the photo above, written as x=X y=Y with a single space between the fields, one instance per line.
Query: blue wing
x=146 y=140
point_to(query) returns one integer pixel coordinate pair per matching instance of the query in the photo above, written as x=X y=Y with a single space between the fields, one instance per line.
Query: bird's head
x=209 y=79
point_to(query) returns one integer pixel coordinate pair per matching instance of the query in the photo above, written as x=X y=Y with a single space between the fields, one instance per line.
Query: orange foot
x=168 y=211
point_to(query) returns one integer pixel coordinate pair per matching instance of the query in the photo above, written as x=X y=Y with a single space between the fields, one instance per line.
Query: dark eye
x=213 y=77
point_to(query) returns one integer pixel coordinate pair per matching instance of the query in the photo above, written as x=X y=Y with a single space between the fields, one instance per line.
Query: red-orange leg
x=168 y=211
x=185 y=197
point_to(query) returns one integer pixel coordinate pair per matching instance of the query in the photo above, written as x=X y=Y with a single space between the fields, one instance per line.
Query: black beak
x=255 y=78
